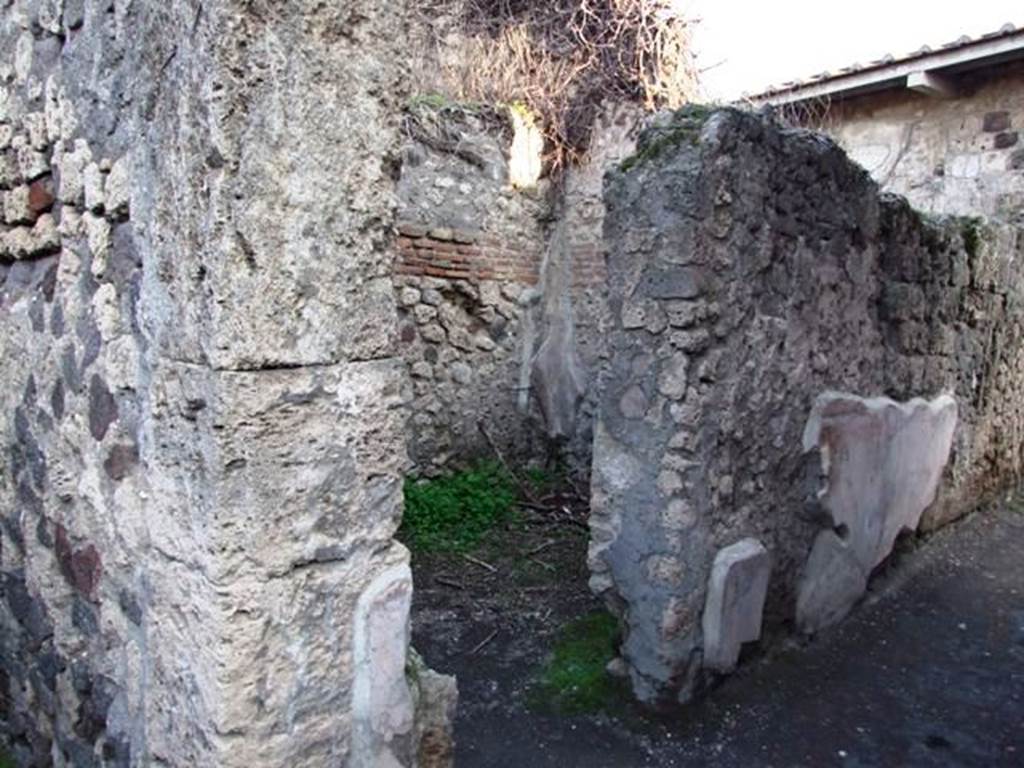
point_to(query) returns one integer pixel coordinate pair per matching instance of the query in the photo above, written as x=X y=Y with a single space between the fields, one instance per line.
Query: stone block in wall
x=1004 y=140
x=30 y=242
x=995 y=122
x=117 y=189
x=16 y=208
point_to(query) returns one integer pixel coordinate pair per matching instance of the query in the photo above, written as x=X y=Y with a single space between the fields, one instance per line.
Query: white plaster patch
x=735 y=602
x=883 y=461
x=382 y=706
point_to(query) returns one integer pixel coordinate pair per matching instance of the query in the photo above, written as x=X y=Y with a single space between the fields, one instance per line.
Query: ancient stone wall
x=962 y=155
x=472 y=251
x=470 y=278
x=470 y=247
x=613 y=139
x=752 y=269
x=203 y=403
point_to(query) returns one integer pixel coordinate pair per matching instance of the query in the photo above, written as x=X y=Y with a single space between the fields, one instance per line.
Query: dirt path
x=928 y=672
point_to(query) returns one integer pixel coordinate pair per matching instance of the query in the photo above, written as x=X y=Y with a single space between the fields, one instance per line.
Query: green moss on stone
x=971 y=233
x=684 y=127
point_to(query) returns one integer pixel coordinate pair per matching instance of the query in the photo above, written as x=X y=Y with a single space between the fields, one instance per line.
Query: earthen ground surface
x=929 y=671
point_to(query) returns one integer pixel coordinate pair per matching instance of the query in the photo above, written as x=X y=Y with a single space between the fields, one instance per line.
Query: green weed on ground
x=574 y=681
x=541 y=481
x=5 y=760
x=452 y=513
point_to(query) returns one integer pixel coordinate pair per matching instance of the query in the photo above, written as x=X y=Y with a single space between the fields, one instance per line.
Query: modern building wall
x=962 y=155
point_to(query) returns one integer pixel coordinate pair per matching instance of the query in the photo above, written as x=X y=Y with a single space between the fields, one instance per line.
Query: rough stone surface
x=470 y=240
x=735 y=602
x=883 y=462
x=203 y=403
x=436 y=697
x=752 y=268
x=474 y=298
x=557 y=377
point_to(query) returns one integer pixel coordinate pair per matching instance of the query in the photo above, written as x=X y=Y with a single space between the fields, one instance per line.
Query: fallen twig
x=483 y=642
x=537 y=506
x=538 y=549
x=546 y=566
x=576 y=489
x=523 y=487
x=481 y=563
x=448 y=582
x=558 y=521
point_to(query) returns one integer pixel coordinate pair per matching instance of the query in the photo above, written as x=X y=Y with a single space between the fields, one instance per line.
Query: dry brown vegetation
x=562 y=59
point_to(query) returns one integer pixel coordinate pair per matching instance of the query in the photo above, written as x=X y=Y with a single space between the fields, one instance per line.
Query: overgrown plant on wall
x=563 y=58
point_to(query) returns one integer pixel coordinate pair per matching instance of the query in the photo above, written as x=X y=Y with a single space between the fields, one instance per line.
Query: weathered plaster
x=961 y=155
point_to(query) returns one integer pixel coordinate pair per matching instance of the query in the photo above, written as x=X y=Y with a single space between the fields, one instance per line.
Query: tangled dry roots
x=564 y=58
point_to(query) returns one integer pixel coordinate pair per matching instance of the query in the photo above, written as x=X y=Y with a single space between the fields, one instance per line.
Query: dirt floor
x=928 y=672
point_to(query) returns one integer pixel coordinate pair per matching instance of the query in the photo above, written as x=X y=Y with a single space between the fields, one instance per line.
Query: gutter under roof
x=927 y=71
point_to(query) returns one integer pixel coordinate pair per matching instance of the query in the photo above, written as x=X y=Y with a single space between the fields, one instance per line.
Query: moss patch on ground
x=453 y=512
x=574 y=680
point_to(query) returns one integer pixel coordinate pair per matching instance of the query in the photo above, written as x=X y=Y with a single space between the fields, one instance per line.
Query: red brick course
x=463 y=255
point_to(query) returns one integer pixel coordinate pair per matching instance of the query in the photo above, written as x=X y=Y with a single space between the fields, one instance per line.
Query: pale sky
x=756 y=44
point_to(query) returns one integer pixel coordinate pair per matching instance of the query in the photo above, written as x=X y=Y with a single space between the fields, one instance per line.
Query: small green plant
x=574 y=681
x=522 y=110
x=429 y=100
x=452 y=513
x=971 y=233
x=540 y=480
x=5 y=760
